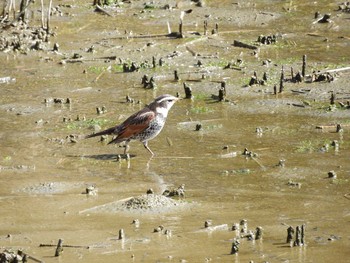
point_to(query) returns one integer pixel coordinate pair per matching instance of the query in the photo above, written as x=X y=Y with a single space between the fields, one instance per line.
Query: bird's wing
x=134 y=125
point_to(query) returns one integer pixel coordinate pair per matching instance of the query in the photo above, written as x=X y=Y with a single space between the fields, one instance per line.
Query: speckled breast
x=153 y=129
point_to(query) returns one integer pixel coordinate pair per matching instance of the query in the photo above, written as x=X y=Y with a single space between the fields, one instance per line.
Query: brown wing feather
x=134 y=125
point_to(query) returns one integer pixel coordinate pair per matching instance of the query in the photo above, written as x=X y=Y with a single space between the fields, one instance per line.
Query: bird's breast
x=154 y=128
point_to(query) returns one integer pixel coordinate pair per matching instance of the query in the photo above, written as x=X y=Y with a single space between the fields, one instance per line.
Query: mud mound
x=143 y=203
x=149 y=201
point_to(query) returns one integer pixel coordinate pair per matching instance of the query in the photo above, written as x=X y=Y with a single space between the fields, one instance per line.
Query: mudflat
x=252 y=164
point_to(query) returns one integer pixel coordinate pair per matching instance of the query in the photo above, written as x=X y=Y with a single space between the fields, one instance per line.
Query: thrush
x=143 y=125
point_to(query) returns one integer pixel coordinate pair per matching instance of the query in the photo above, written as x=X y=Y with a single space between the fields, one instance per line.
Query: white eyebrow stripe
x=166 y=98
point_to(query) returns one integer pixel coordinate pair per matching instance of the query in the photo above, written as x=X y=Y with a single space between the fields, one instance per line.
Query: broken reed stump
x=332 y=174
x=339 y=128
x=152 y=83
x=176 y=75
x=258 y=233
x=244 y=226
x=208 y=223
x=121 y=235
x=222 y=91
x=148 y=83
x=317 y=14
x=188 y=91
x=216 y=29
x=282 y=80
x=101 y=110
x=303 y=70
x=136 y=222
x=154 y=63
x=59 y=248
x=144 y=81
x=302 y=237
x=325 y=19
x=56 y=47
x=265 y=77
x=254 y=80
x=198 y=127
x=298 y=77
x=182 y=15
x=205 y=27
x=242 y=231
x=267 y=40
x=332 y=99
x=235 y=246
x=290 y=234
x=299 y=235
x=180 y=30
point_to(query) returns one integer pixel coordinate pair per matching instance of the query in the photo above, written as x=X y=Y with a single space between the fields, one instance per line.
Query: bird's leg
x=145 y=143
x=127 y=147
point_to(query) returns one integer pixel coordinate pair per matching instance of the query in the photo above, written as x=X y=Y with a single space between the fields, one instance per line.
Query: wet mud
x=252 y=165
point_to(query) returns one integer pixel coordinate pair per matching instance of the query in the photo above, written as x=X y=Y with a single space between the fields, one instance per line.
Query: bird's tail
x=105 y=132
x=117 y=140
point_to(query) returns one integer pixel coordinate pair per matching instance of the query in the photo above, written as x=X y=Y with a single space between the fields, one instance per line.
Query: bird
x=143 y=125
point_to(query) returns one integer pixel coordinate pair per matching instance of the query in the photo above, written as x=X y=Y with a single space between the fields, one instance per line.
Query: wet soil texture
x=252 y=164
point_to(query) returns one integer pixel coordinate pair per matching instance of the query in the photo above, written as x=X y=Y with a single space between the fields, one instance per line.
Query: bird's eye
x=170 y=100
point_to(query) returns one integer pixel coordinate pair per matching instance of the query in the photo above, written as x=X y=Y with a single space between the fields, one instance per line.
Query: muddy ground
x=295 y=171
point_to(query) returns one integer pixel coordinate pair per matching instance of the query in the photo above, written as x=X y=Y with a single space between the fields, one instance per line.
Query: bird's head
x=163 y=104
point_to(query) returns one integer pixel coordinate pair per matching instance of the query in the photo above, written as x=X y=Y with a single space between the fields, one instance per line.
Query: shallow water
x=43 y=175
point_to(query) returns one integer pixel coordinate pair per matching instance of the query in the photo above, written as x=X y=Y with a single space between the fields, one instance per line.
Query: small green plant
x=100 y=69
x=117 y=68
x=287 y=62
x=306 y=146
x=331 y=108
x=7 y=158
x=213 y=127
x=149 y=6
x=244 y=81
x=97 y=69
x=286 y=44
x=221 y=63
x=309 y=146
x=200 y=96
x=200 y=109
